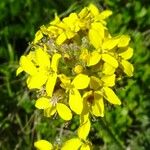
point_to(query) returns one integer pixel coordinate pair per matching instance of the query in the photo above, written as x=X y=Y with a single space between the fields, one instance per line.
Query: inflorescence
x=74 y=64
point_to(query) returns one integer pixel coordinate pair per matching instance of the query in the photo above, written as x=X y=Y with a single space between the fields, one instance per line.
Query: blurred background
x=126 y=127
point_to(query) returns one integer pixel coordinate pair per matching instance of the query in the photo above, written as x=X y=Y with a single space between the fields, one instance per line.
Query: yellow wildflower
x=92 y=62
x=103 y=88
x=51 y=106
x=70 y=26
x=41 y=70
x=124 y=53
x=93 y=103
x=93 y=100
x=81 y=81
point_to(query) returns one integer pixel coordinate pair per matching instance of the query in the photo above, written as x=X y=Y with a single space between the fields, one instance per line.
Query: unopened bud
x=78 y=69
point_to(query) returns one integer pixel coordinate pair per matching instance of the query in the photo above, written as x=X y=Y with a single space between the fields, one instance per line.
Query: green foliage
x=126 y=126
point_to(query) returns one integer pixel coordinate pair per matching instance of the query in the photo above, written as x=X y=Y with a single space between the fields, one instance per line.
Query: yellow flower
x=118 y=41
x=95 y=57
x=93 y=99
x=52 y=31
x=97 y=28
x=90 y=18
x=99 y=16
x=110 y=43
x=93 y=103
x=123 y=51
x=51 y=106
x=125 y=54
x=70 y=26
x=102 y=88
x=81 y=81
x=102 y=49
x=93 y=9
x=41 y=70
x=43 y=145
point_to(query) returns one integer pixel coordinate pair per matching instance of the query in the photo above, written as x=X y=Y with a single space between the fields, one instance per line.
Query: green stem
x=8 y=87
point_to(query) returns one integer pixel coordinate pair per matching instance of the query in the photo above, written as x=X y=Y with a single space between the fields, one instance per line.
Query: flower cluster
x=74 y=64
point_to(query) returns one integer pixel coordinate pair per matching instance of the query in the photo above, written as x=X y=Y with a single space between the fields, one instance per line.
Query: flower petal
x=94 y=58
x=127 y=68
x=93 y=9
x=110 y=60
x=55 y=61
x=19 y=70
x=127 y=53
x=38 y=36
x=109 y=80
x=42 y=103
x=81 y=81
x=27 y=65
x=95 y=82
x=63 y=111
x=98 y=105
x=73 y=144
x=72 y=22
x=96 y=34
x=75 y=101
x=84 y=56
x=85 y=146
x=61 y=38
x=84 y=116
x=108 y=69
x=109 y=44
x=111 y=96
x=43 y=59
x=124 y=41
x=43 y=145
x=50 y=85
x=36 y=81
x=84 y=130
x=105 y=14
x=50 y=111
